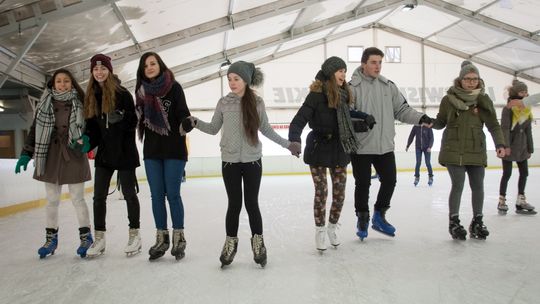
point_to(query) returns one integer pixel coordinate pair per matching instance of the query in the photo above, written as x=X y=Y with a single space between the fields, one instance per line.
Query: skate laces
x=229 y=246
x=85 y=240
x=257 y=244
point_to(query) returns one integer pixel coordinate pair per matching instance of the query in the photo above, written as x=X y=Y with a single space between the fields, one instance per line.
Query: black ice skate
x=259 y=250
x=229 y=251
x=456 y=230
x=161 y=246
x=477 y=229
x=178 y=244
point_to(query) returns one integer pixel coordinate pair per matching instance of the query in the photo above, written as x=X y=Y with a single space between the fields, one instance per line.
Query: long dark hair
x=140 y=70
x=74 y=83
x=251 y=120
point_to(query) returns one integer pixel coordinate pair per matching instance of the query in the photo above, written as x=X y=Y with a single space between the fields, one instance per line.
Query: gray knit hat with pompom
x=466 y=68
x=517 y=86
x=332 y=65
x=248 y=72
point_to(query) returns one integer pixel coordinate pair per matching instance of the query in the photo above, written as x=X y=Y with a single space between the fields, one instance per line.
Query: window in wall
x=392 y=54
x=354 y=53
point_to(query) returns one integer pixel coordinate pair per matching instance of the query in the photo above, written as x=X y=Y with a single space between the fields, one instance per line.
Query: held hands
x=295 y=148
x=187 y=125
x=22 y=162
x=82 y=144
x=370 y=121
x=426 y=121
x=507 y=151
x=501 y=152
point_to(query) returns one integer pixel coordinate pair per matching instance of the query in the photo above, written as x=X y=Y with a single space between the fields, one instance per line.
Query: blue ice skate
x=362 y=225
x=380 y=224
x=86 y=242
x=51 y=242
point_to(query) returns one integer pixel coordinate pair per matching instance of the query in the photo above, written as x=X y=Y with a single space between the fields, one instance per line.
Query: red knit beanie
x=101 y=59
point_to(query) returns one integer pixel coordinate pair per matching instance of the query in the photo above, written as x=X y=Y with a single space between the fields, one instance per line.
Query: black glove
x=187 y=125
x=360 y=125
x=116 y=116
x=370 y=121
x=425 y=120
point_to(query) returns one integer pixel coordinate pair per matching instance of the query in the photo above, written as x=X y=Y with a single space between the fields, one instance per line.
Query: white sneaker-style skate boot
x=332 y=234
x=320 y=237
x=98 y=247
x=502 y=206
x=134 y=244
x=522 y=207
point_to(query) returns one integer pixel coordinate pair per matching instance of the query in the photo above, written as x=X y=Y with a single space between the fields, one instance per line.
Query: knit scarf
x=346 y=131
x=149 y=107
x=462 y=99
x=45 y=122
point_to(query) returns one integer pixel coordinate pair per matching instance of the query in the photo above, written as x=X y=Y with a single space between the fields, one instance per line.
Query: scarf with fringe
x=45 y=122
x=150 y=110
x=346 y=130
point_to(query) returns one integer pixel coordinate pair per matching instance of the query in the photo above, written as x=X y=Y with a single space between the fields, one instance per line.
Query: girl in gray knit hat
x=241 y=115
x=517 y=130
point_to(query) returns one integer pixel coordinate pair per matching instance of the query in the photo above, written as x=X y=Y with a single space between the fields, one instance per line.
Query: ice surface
x=422 y=264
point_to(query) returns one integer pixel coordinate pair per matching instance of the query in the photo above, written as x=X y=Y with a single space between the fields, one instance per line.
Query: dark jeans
x=476 y=182
x=385 y=165
x=427 y=157
x=507 y=172
x=234 y=174
x=128 y=182
x=164 y=178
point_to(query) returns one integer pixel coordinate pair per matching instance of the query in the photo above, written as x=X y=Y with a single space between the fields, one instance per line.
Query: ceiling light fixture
x=408 y=7
x=225 y=64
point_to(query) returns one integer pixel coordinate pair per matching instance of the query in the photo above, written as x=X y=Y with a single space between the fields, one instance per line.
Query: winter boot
x=229 y=251
x=416 y=180
x=86 y=241
x=332 y=234
x=502 y=207
x=178 y=244
x=51 y=242
x=380 y=224
x=134 y=244
x=98 y=247
x=320 y=238
x=259 y=250
x=430 y=181
x=477 y=229
x=362 y=225
x=522 y=207
x=161 y=245
x=456 y=230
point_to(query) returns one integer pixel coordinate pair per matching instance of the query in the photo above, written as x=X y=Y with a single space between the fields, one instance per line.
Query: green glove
x=22 y=162
x=82 y=144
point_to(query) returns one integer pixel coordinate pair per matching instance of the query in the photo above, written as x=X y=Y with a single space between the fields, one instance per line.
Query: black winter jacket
x=323 y=147
x=115 y=140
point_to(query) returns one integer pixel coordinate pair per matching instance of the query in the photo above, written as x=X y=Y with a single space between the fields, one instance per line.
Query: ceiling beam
x=197 y=32
x=480 y=19
x=122 y=19
x=278 y=39
x=457 y=53
x=32 y=15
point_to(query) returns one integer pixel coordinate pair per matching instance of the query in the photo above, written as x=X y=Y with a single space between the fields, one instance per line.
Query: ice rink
x=422 y=264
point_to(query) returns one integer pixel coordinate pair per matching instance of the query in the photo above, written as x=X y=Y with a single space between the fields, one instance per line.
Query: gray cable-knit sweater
x=235 y=147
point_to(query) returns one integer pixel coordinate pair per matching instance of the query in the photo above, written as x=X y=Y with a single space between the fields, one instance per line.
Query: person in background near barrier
x=517 y=130
x=380 y=97
x=241 y=114
x=58 y=121
x=463 y=112
x=328 y=145
x=161 y=106
x=110 y=114
x=423 y=144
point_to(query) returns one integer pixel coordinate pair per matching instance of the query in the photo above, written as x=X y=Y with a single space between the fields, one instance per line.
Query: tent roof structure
x=195 y=38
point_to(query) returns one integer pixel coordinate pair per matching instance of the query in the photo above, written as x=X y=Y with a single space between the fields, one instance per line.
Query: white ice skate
x=332 y=234
x=134 y=244
x=98 y=247
x=320 y=238
x=502 y=206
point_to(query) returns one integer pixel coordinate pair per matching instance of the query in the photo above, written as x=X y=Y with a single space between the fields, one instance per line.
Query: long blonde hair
x=108 y=96
x=333 y=94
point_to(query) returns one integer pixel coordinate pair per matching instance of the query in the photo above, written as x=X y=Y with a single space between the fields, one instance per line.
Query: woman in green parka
x=464 y=111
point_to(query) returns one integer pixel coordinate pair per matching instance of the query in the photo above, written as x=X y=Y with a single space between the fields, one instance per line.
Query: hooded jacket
x=323 y=146
x=381 y=98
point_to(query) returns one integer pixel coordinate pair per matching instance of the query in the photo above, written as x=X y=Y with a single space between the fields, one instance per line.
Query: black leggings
x=507 y=172
x=128 y=181
x=233 y=176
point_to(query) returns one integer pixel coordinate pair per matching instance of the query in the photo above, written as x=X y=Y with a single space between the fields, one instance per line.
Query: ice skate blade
x=526 y=212
x=42 y=256
x=478 y=237
x=180 y=256
x=132 y=253
x=385 y=233
x=502 y=212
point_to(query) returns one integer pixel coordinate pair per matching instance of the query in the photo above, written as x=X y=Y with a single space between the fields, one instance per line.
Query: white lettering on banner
x=413 y=95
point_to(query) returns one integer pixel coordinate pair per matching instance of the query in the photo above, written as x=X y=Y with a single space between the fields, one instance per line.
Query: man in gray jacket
x=381 y=98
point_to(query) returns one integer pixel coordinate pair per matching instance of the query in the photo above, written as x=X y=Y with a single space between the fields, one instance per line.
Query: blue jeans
x=164 y=178
x=427 y=156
